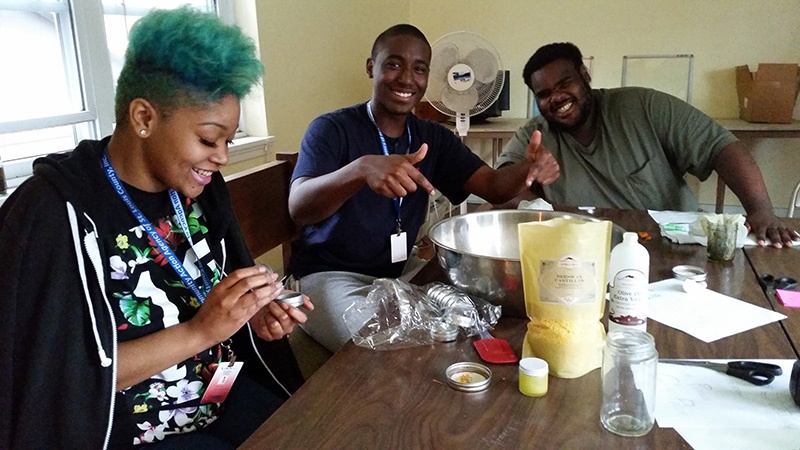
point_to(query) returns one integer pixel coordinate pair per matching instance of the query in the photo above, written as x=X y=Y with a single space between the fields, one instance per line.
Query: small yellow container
x=533 y=373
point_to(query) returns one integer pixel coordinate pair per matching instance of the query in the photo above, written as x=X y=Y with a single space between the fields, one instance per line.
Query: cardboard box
x=768 y=94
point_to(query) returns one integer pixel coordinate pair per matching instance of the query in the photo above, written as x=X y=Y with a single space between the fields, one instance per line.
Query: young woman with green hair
x=127 y=285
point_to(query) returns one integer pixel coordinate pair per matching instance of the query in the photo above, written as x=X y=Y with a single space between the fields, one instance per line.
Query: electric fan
x=466 y=77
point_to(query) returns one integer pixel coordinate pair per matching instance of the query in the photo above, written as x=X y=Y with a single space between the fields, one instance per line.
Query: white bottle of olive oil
x=628 y=273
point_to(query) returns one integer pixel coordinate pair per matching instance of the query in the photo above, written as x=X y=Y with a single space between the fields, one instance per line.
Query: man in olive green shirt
x=630 y=147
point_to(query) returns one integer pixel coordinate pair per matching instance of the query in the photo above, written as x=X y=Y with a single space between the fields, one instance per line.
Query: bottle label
x=568 y=281
x=628 y=298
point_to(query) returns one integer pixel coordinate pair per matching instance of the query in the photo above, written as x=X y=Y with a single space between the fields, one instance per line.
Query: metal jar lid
x=444 y=332
x=290 y=298
x=685 y=272
x=468 y=376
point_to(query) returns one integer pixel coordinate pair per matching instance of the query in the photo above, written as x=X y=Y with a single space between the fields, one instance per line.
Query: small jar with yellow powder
x=533 y=374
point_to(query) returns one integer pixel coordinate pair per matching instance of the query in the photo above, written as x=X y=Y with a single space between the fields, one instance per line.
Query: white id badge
x=399 y=248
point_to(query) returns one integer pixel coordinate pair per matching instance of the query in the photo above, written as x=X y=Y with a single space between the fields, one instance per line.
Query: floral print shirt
x=148 y=296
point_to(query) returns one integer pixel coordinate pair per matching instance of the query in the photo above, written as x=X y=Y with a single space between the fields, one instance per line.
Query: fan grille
x=480 y=55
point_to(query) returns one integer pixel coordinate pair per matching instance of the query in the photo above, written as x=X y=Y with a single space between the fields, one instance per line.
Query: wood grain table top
x=398 y=399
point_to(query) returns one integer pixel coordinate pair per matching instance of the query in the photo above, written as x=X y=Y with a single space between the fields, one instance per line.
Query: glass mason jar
x=629 y=382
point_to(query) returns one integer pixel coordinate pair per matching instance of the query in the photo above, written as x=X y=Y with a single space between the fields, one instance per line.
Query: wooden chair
x=260 y=198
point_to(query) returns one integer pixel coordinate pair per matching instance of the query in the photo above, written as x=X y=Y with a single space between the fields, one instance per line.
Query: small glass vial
x=533 y=374
x=629 y=382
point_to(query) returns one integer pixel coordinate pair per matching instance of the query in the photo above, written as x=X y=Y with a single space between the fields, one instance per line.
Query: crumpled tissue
x=537 y=204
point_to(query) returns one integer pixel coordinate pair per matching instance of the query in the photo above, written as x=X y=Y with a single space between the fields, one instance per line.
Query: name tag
x=221 y=382
x=399 y=247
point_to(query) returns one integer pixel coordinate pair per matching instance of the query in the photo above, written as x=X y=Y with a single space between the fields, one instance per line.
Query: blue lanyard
x=398 y=202
x=181 y=219
x=163 y=247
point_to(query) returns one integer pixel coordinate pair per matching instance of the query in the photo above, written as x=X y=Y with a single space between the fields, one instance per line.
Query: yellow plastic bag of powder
x=564 y=264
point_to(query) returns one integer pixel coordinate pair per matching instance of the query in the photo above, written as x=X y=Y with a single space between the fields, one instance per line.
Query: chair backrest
x=260 y=198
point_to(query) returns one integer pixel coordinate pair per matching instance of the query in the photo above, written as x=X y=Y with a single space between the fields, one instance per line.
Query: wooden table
x=745 y=130
x=780 y=263
x=398 y=399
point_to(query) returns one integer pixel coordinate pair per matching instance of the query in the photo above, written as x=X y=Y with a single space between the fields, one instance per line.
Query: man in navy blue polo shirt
x=363 y=178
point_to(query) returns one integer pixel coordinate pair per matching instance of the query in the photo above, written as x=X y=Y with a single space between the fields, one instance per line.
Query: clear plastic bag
x=471 y=313
x=397 y=315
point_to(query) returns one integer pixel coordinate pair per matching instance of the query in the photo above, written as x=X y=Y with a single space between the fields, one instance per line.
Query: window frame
x=77 y=19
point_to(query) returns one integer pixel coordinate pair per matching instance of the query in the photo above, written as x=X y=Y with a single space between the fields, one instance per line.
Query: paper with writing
x=693 y=400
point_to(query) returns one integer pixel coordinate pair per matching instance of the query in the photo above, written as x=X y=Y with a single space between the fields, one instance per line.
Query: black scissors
x=770 y=284
x=753 y=372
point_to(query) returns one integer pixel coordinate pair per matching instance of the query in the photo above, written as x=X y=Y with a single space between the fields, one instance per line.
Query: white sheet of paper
x=712 y=410
x=739 y=438
x=706 y=315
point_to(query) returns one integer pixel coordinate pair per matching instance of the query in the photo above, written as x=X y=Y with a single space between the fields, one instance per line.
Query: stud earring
x=142 y=132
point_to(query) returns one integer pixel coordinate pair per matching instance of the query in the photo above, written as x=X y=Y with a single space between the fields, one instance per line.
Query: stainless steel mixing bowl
x=479 y=252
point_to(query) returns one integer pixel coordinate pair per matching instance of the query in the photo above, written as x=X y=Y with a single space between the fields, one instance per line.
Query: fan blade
x=483 y=63
x=443 y=58
x=460 y=101
x=488 y=93
x=435 y=99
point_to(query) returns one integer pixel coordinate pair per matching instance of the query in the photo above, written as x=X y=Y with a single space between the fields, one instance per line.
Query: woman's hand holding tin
x=278 y=318
x=235 y=300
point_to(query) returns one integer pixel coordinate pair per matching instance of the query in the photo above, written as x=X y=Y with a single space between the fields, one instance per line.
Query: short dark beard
x=586 y=111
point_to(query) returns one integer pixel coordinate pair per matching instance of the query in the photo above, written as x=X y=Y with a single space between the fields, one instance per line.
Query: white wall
x=315 y=55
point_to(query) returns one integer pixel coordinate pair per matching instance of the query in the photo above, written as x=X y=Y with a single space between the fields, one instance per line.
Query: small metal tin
x=290 y=298
x=444 y=332
x=266 y=267
x=685 y=272
x=468 y=376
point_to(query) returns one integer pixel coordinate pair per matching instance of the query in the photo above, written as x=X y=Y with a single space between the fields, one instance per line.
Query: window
x=57 y=85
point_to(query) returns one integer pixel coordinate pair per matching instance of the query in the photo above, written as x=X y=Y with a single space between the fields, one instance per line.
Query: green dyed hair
x=185 y=58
